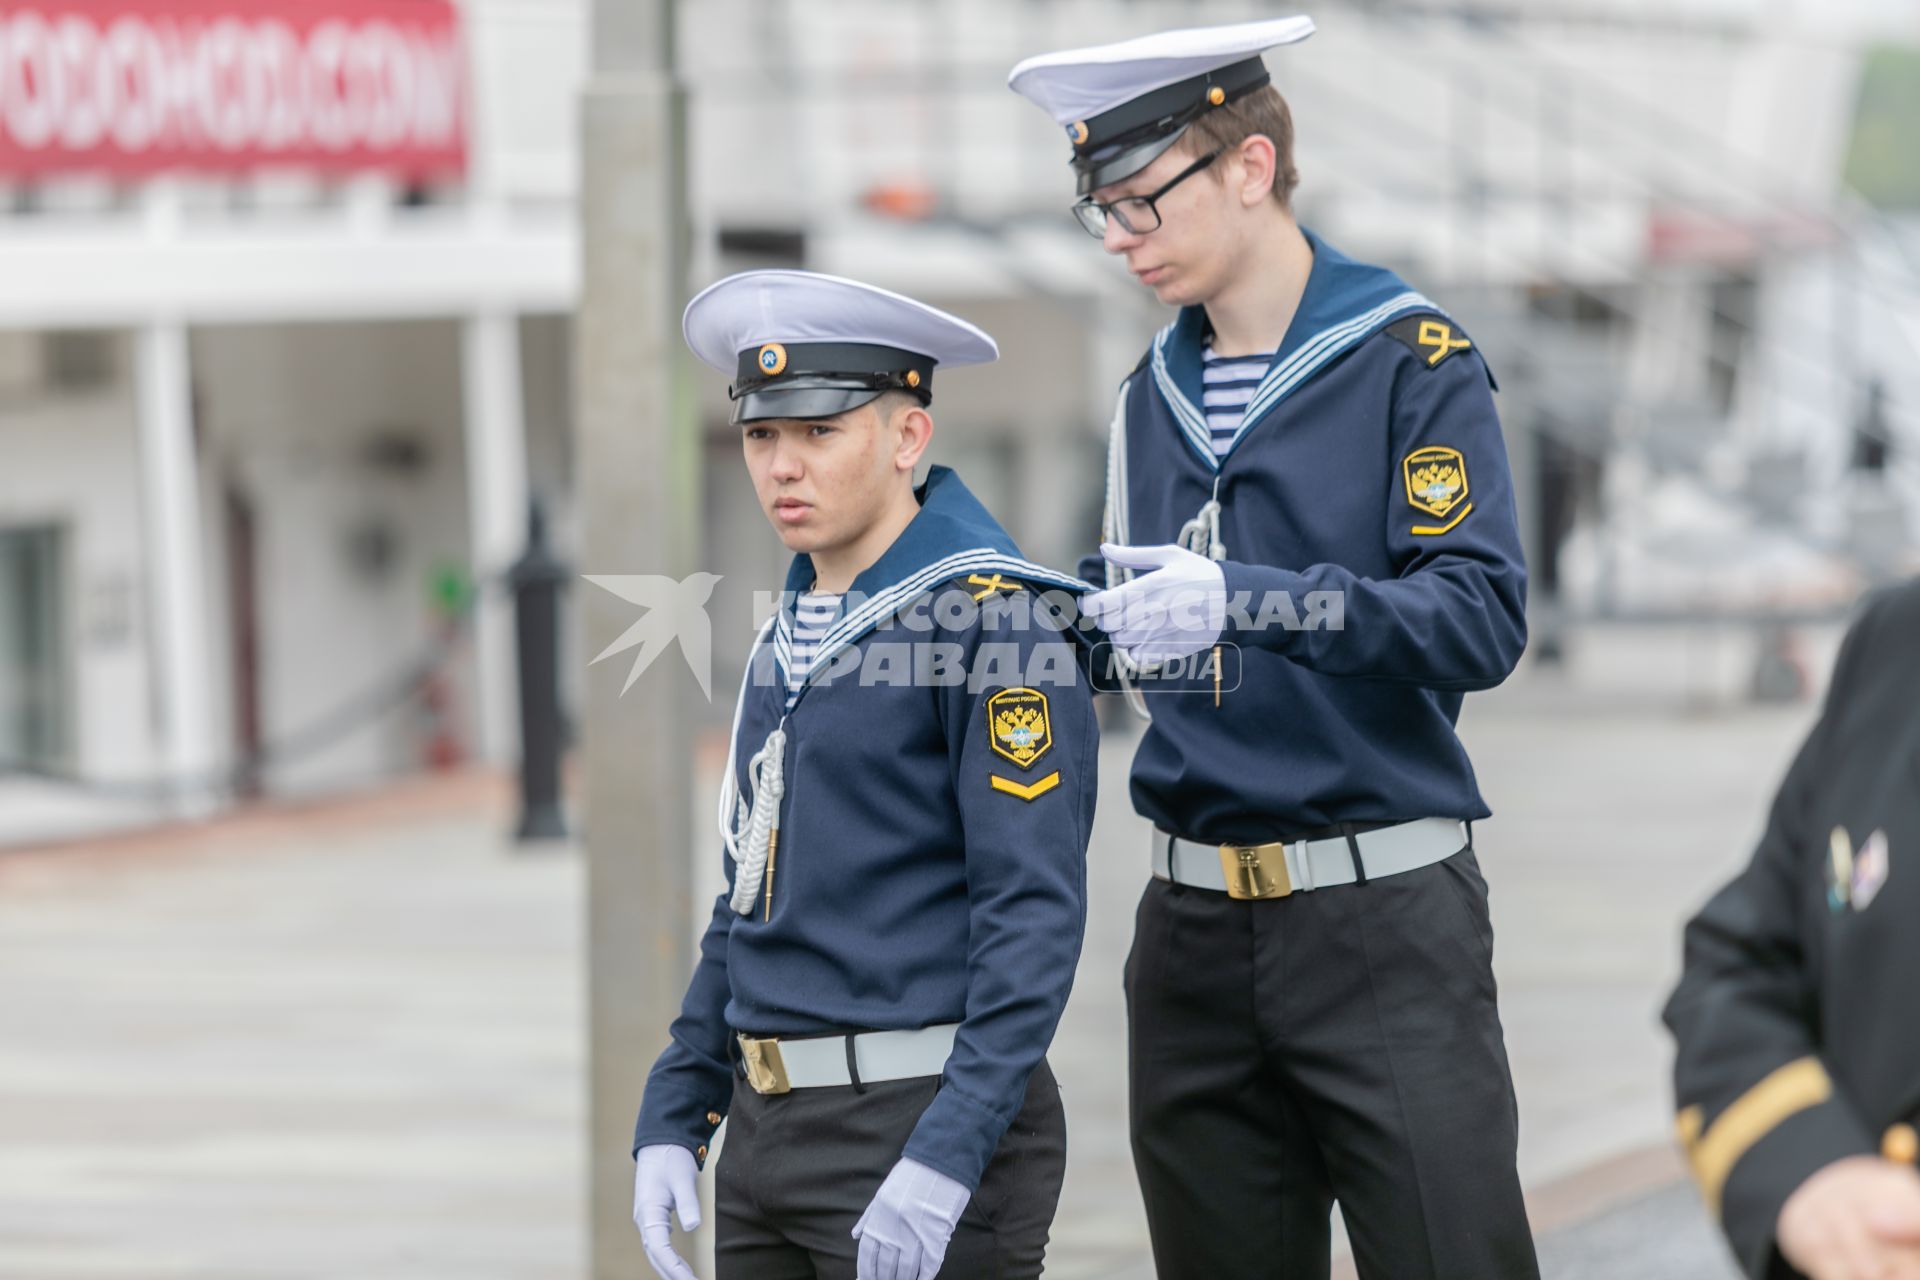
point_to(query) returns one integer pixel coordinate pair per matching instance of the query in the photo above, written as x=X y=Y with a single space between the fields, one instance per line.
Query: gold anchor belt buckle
x=1256 y=871
x=766 y=1069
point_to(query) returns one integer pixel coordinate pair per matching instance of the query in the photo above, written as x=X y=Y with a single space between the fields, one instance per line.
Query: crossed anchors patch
x=1018 y=725
x=1436 y=480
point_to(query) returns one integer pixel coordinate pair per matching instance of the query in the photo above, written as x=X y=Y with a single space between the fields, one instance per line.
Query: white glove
x=665 y=1177
x=1178 y=608
x=903 y=1234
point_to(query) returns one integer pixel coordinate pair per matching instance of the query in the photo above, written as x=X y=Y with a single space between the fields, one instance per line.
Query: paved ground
x=346 y=1042
x=1659 y=1234
x=345 y=1048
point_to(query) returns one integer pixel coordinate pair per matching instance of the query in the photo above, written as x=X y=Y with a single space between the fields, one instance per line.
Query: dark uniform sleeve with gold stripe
x=1758 y=1111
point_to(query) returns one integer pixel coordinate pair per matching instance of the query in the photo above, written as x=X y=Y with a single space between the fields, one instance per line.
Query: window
x=34 y=701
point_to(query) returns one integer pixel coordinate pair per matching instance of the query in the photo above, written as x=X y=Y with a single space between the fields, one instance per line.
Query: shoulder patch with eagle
x=1436 y=483
x=1019 y=727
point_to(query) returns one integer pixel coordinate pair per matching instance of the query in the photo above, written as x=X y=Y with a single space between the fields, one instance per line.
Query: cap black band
x=1129 y=130
x=852 y=364
x=837 y=376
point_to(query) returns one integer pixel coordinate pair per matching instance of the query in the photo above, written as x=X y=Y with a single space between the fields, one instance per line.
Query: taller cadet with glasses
x=1310 y=990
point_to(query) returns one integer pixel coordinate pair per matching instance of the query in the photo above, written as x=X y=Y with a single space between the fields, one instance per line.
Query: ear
x=1257 y=164
x=915 y=427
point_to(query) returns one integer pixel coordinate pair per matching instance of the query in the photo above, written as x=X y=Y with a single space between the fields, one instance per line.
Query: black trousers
x=798 y=1169
x=1339 y=1045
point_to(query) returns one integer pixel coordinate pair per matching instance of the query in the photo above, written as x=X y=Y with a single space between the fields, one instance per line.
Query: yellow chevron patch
x=1027 y=790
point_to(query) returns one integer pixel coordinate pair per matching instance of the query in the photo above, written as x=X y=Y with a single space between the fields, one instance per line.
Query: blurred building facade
x=257 y=427
x=255 y=408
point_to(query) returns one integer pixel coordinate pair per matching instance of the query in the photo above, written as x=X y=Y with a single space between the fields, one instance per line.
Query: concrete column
x=637 y=458
x=177 y=614
x=496 y=439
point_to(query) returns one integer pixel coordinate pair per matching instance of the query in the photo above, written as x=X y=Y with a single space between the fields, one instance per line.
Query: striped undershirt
x=812 y=615
x=1228 y=382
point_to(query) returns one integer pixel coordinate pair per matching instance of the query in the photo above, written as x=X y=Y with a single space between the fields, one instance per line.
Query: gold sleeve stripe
x=1026 y=791
x=1687 y=1125
x=1427 y=530
x=1784 y=1093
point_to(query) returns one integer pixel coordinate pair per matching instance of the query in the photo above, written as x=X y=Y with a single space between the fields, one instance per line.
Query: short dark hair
x=1263 y=111
x=889 y=402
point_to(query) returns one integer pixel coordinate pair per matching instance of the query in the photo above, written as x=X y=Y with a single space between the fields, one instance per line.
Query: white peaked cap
x=749 y=310
x=1078 y=84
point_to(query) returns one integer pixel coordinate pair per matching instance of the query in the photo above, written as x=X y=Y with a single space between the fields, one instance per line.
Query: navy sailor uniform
x=1369 y=464
x=1297 y=1039
x=1342 y=1044
x=930 y=861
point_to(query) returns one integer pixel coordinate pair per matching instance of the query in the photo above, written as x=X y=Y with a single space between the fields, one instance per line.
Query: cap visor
x=800 y=402
x=1111 y=169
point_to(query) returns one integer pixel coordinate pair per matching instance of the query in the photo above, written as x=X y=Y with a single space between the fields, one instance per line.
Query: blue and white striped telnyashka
x=812 y=617
x=1228 y=383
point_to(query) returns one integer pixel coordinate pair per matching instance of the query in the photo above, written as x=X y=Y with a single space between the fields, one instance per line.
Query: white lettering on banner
x=229 y=85
x=136 y=79
x=26 y=65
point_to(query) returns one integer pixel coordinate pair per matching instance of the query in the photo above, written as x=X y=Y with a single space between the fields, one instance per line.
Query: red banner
x=134 y=87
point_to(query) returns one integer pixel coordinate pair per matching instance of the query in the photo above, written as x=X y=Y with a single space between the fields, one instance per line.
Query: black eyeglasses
x=1136 y=215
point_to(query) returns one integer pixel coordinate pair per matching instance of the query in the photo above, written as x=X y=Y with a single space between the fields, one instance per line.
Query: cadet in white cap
x=1308 y=490
x=905 y=812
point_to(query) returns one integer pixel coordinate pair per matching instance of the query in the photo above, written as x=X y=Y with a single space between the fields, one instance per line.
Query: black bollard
x=537 y=579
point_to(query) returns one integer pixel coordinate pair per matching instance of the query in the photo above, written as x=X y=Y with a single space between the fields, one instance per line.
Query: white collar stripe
x=1184 y=413
x=893 y=597
x=1321 y=348
x=1282 y=377
x=863 y=619
x=1315 y=349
